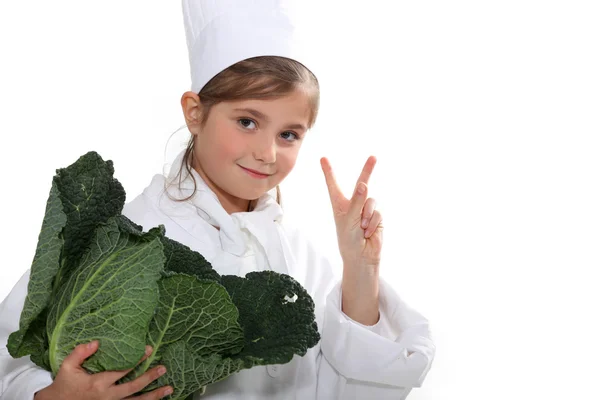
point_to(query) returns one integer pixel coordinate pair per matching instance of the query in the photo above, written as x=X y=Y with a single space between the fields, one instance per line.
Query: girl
x=250 y=108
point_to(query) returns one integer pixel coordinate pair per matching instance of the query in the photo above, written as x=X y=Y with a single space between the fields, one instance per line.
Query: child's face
x=234 y=139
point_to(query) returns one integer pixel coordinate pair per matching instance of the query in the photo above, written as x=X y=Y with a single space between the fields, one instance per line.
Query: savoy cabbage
x=97 y=276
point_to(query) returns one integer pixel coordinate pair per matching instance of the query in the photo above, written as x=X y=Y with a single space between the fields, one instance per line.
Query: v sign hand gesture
x=360 y=237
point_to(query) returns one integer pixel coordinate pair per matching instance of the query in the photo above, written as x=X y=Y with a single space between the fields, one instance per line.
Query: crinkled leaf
x=277 y=315
x=192 y=311
x=194 y=372
x=29 y=338
x=90 y=195
x=199 y=312
x=180 y=258
x=111 y=296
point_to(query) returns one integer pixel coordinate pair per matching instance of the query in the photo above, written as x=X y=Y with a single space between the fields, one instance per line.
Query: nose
x=265 y=151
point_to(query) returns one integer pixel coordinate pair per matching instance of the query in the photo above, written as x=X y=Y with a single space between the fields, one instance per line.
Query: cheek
x=287 y=160
x=227 y=150
x=228 y=146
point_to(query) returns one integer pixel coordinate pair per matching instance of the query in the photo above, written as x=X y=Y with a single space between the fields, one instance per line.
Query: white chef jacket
x=352 y=361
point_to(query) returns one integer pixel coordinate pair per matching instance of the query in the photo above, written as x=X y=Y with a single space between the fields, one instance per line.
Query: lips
x=255 y=171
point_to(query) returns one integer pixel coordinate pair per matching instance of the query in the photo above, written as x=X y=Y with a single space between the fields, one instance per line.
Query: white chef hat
x=220 y=33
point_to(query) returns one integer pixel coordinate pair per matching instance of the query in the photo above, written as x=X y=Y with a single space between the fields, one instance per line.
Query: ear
x=192 y=111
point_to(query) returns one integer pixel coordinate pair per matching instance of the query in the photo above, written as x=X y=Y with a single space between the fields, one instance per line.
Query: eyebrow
x=262 y=116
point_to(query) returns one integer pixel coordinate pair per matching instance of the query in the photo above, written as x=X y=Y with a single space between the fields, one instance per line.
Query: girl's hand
x=359 y=226
x=74 y=383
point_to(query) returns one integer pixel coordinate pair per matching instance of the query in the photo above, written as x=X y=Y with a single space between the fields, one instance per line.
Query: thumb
x=79 y=354
x=358 y=200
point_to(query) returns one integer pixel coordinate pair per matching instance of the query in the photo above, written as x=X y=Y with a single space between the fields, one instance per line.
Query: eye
x=245 y=121
x=294 y=136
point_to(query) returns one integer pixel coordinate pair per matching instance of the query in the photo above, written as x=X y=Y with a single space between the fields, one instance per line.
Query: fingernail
x=162 y=370
x=148 y=350
x=168 y=391
x=91 y=344
x=360 y=189
x=364 y=223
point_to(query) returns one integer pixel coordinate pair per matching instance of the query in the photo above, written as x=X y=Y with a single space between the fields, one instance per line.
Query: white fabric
x=220 y=33
x=384 y=361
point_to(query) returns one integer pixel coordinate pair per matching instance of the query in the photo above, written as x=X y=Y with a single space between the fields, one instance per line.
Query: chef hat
x=220 y=33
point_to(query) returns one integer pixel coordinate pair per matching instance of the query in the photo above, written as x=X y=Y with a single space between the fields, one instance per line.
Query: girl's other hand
x=73 y=382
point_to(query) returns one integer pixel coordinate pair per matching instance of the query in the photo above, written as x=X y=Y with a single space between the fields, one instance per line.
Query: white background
x=485 y=120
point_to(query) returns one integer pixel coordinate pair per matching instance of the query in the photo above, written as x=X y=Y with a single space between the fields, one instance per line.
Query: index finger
x=335 y=193
x=367 y=170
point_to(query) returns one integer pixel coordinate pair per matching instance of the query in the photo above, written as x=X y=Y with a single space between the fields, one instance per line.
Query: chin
x=247 y=195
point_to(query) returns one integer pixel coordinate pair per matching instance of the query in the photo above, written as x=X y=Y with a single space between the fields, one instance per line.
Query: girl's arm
x=378 y=346
x=382 y=361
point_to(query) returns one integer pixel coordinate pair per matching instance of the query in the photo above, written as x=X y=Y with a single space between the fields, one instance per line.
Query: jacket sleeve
x=20 y=378
x=383 y=361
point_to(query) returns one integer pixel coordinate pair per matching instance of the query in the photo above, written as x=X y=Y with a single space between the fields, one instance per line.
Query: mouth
x=255 y=173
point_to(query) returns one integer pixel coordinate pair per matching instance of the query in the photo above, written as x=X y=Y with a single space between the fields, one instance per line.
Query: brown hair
x=265 y=77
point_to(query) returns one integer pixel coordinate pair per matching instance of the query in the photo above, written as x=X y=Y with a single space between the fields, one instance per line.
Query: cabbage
x=97 y=276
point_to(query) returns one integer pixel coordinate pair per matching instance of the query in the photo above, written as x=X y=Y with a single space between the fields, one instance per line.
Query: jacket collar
x=263 y=222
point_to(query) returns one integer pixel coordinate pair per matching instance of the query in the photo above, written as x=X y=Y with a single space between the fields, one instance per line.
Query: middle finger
x=367 y=170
